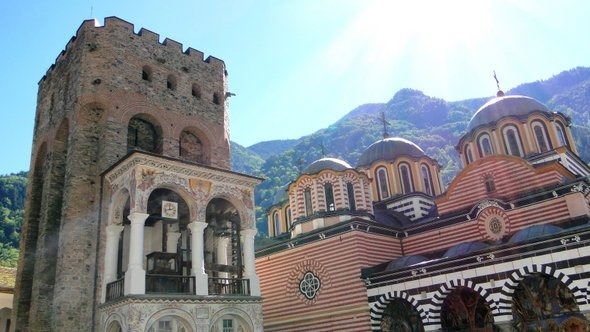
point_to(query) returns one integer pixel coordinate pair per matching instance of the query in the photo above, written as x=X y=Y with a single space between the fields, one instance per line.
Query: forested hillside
x=12 y=201
x=432 y=123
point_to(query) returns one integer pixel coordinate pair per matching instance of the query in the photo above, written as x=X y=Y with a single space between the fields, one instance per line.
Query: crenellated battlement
x=123 y=30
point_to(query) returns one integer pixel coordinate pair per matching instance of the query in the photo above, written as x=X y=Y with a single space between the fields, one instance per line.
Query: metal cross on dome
x=385 y=124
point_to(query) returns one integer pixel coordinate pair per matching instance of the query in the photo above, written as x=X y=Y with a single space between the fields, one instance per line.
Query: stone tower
x=133 y=219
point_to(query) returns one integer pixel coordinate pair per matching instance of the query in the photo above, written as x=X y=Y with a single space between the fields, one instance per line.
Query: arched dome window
x=427 y=178
x=405 y=174
x=468 y=154
x=512 y=141
x=329 y=195
x=485 y=145
x=276 y=223
x=307 y=201
x=541 y=136
x=382 y=183
x=350 y=192
x=561 y=136
x=288 y=217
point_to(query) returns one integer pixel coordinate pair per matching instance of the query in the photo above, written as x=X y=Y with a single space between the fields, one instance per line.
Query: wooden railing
x=229 y=286
x=115 y=289
x=170 y=284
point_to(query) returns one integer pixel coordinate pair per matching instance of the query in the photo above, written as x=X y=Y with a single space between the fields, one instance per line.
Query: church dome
x=502 y=106
x=389 y=149
x=464 y=248
x=405 y=261
x=533 y=232
x=326 y=163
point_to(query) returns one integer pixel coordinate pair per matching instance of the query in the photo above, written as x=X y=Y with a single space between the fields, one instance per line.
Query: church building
x=134 y=220
x=383 y=246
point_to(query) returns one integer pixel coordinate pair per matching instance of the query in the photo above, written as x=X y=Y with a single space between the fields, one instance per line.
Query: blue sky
x=298 y=66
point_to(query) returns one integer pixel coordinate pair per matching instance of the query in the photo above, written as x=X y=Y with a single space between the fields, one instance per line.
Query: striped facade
x=511 y=228
x=493 y=274
x=335 y=257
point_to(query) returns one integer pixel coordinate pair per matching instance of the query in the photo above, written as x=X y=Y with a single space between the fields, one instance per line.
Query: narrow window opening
x=196 y=91
x=383 y=183
x=406 y=177
x=351 y=200
x=216 y=99
x=329 y=192
x=490 y=185
x=307 y=198
x=146 y=73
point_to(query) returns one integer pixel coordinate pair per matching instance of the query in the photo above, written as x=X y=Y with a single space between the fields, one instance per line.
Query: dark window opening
x=329 y=191
x=351 y=200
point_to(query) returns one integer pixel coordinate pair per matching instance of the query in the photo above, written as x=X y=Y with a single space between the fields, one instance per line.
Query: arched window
x=190 y=147
x=329 y=192
x=169 y=324
x=468 y=155
x=541 y=136
x=405 y=174
x=351 y=200
x=382 y=183
x=288 y=217
x=146 y=73
x=216 y=99
x=512 y=141
x=561 y=136
x=142 y=135
x=490 y=184
x=427 y=178
x=276 y=223
x=196 y=91
x=171 y=82
x=485 y=145
x=307 y=199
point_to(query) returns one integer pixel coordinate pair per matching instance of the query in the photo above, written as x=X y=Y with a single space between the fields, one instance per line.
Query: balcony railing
x=115 y=289
x=170 y=284
x=229 y=286
x=173 y=284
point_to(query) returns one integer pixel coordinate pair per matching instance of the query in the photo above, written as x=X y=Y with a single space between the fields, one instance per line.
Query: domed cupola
x=327 y=192
x=503 y=106
x=513 y=125
x=405 y=179
x=389 y=149
x=326 y=164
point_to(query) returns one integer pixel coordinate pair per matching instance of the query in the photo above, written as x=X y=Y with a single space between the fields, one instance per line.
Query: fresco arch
x=378 y=308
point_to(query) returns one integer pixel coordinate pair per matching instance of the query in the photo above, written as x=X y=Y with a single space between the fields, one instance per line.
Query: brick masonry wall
x=96 y=86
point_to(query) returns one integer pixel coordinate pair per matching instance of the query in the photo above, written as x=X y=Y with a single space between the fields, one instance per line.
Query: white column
x=249 y=260
x=222 y=243
x=198 y=262
x=110 y=256
x=135 y=275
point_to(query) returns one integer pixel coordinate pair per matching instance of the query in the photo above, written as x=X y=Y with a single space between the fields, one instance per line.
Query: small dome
x=464 y=248
x=405 y=261
x=502 y=106
x=326 y=163
x=533 y=232
x=389 y=149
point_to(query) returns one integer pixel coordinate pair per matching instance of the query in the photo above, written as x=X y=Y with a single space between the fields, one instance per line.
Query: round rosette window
x=493 y=223
x=309 y=285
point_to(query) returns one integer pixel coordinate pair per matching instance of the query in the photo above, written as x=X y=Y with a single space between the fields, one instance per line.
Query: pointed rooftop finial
x=500 y=93
x=300 y=164
x=385 y=124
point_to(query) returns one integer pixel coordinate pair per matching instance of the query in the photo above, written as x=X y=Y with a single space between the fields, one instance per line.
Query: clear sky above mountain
x=298 y=66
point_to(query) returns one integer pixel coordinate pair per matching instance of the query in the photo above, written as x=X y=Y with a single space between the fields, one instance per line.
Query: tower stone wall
x=105 y=77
